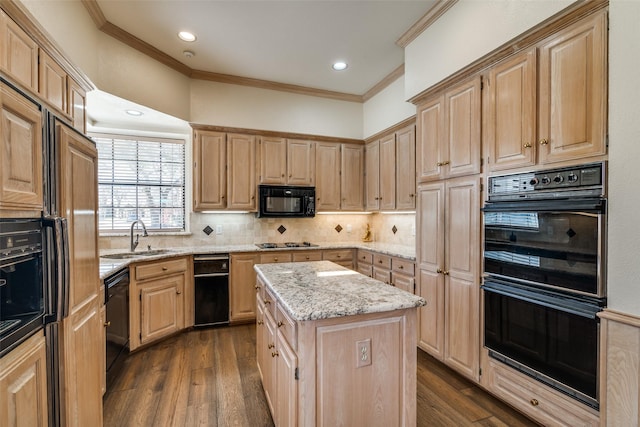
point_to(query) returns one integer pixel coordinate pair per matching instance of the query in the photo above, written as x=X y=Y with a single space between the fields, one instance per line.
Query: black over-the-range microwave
x=277 y=201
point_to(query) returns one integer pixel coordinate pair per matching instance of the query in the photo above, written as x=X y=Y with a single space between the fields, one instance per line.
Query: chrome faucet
x=145 y=234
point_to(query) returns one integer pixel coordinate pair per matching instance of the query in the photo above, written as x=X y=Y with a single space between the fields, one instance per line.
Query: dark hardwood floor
x=208 y=377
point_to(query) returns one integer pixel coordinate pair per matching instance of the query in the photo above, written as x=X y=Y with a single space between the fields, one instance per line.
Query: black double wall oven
x=544 y=275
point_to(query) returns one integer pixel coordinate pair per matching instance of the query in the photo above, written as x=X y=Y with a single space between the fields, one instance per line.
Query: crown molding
x=382 y=84
x=425 y=22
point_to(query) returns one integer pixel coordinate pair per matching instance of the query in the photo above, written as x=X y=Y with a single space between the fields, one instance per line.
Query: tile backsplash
x=245 y=228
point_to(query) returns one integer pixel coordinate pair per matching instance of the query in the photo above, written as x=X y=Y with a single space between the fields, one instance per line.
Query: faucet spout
x=144 y=234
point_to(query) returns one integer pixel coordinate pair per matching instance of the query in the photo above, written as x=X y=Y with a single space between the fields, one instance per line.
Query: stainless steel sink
x=127 y=255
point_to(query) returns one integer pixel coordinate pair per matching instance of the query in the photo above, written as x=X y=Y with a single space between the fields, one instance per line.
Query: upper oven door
x=554 y=243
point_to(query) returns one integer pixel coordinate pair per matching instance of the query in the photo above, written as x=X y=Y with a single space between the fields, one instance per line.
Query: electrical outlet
x=349 y=228
x=219 y=229
x=363 y=353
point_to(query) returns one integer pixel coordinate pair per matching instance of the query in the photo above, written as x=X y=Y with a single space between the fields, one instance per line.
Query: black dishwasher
x=116 y=288
x=211 y=281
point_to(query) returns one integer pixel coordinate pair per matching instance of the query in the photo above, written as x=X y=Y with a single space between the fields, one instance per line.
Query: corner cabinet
x=159 y=293
x=448 y=220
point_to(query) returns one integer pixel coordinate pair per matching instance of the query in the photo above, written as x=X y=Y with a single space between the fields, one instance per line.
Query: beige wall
x=386 y=109
x=247 y=107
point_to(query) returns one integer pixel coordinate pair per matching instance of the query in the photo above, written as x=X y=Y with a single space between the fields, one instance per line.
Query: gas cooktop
x=269 y=245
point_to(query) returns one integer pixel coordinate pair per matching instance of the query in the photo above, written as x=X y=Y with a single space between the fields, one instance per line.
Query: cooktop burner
x=269 y=245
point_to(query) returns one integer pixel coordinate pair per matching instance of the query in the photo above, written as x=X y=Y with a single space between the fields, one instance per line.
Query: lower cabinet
x=242 y=281
x=343 y=257
x=23 y=375
x=391 y=270
x=158 y=300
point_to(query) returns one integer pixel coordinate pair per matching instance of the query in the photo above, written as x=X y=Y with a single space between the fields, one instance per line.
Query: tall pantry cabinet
x=447 y=223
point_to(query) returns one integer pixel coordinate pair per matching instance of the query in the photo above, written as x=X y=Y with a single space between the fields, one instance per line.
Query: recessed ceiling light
x=339 y=66
x=187 y=36
x=134 y=113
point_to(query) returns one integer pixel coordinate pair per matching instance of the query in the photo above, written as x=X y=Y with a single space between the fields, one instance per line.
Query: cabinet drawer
x=286 y=326
x=537 y=401
x=365 y=257
x=158 y=269
x=382 y=261
x=275 y=257
x=382 y=274
x=306 y=256
x=365 y=269
x=338 y=255
x=269 y=301
x=403 y=266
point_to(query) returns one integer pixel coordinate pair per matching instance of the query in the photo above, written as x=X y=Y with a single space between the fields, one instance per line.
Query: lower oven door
x=550 y=336
x=554 y=243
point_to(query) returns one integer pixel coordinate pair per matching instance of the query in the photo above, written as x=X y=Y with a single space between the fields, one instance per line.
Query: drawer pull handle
x=280 y=324
x=257 y=287
x=165 y=268
x=275 y=354
x=267 y=302
x=527 y=145
x=446 y=162
x=107 y=324
x=275 y=259
x=178 y=292
x=534 y=402
x=544 y=141
x=271 y=346
x=379 y=261
x=260 y=322
x=401 y=267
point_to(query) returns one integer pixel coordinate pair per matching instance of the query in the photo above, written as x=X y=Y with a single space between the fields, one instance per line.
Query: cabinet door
x=301 y=162
x=388 y=172
x=573 y=92
x=351 y=177
x=461 y=154
x=241 y=176
x=82 y=366
x=78 y=185
x=286 y=385
x=209 y=170
x=52 y=82
x=18 y=53
x=328 y=177
x=462 y=287
x=161 y=308
x=242 y=291
x=431 y=133
x=20 y=152
x=261 y=345
x=273 y=160
x=430 y=223
x=270 y=366
x=23 y=381
x=372 y=176
x=77 y=103
x=511 y=113
x=406 y=168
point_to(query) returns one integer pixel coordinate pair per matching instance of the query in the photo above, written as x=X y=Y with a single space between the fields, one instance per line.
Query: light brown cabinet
x=159 y=293
x=20 y=153
x=343 y=257
x=340 y=182
x=287 y=161
x=242 y=279
x=448 y=220
x=405 y=175
x=449 y=129
x=52 y=82
x=388 y=172
x=568 y=120
x=391 y=270
x=76 y=105
x=18 y=53
x=23 y=381
x=224 y=174
x=372 y=176
x=82 y=331
x=572 y=122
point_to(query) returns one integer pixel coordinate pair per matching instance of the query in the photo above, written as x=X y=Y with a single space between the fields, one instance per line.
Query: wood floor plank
x=209 y=377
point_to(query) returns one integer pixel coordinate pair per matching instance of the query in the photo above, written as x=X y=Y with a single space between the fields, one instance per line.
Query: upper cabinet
x=340 y=181
x=287 y=161
x=568 y=119
x=390 y=171
x=224 y=173
x=52 y=83
x=573 y=92
x=21 y=186
x=18 y=53
x=449 y=126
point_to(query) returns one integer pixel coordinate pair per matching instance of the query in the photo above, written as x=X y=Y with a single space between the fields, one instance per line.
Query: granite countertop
x=109 y=266
x=322 y=289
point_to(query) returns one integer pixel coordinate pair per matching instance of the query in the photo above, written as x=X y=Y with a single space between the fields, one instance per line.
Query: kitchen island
x=335 y=347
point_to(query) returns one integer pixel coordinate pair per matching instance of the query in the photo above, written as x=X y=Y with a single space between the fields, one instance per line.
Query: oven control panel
x=585 y=180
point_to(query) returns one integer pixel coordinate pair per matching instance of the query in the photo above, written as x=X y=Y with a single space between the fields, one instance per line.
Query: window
x=140 y=178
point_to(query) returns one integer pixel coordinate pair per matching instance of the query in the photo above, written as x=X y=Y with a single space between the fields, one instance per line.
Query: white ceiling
x=287 y=41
